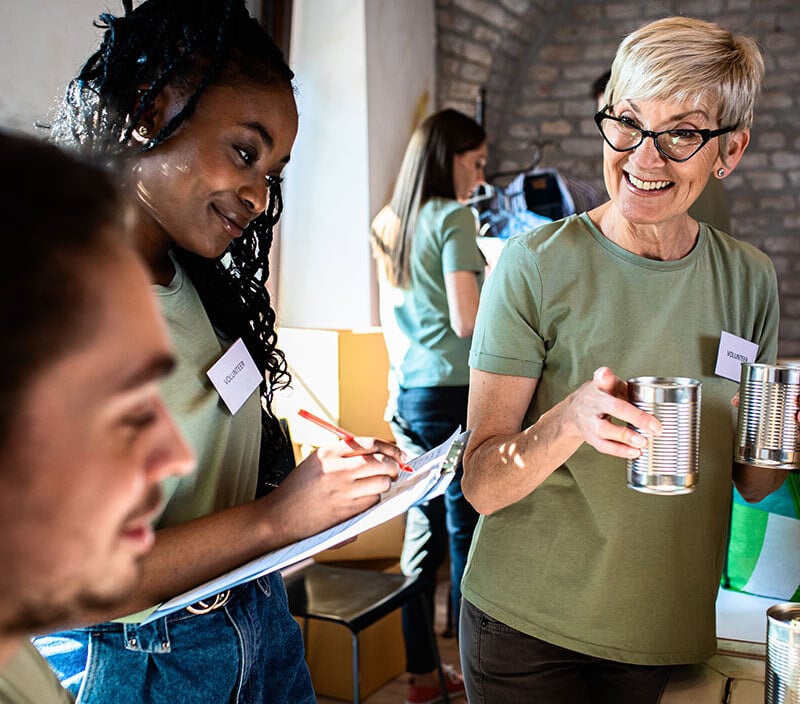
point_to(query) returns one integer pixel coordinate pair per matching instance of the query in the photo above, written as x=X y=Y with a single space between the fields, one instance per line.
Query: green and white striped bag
x=763 y=556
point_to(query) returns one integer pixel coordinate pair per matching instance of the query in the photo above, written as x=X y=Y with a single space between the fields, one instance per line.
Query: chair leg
x=435 y=648
x=356 y=688
x=448 y=626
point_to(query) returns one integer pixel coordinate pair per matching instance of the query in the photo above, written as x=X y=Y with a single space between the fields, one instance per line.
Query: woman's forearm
x=500 y=470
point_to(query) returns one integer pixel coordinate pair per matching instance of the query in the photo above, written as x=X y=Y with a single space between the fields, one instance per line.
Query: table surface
x=742 y=617
x=736 y=673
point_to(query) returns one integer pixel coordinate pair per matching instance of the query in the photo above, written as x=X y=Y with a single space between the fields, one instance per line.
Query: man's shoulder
x=28 y=679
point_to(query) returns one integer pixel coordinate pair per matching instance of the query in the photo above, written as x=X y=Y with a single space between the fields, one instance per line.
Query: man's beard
x=45 y=614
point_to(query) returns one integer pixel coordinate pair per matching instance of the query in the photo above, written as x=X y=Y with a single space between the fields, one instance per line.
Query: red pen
x=343 y=434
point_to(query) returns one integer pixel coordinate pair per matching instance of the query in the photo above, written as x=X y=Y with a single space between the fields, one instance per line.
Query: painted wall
x=44 y=42
x=363 y=69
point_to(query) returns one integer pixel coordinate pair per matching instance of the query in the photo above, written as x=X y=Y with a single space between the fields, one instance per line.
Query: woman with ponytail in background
x=194 y=104
x=430 y=271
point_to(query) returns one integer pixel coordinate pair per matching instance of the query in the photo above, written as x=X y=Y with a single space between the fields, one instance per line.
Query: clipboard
x=433 y=472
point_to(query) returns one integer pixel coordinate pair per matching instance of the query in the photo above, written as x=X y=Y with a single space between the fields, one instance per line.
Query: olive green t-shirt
x=227 y=446
x=424 y=350
x=28 y=679
x=584 y=562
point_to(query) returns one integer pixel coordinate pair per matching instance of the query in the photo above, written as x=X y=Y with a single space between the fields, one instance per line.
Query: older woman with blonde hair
x=577 y=588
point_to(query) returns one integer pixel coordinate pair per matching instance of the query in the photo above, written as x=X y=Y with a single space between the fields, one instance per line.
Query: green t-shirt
x=584 y=562
x=424 y=351
x=227 y=447
x=27 y=679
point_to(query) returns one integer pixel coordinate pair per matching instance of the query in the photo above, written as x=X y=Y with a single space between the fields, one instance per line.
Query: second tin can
x=668 y=464
x=767 y=432
x=782 y=681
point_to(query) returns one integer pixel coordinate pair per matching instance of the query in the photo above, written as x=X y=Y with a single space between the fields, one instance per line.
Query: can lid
x=775 y=373
x=664 y=389
x=787 y=613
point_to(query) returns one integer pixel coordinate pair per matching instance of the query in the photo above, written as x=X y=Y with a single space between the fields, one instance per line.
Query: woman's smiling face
x=644 y=185
x=207 y=182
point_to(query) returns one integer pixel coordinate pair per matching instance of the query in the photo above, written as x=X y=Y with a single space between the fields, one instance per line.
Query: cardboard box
x=339 y=375
x=342 y=376
x=379 y=543
x=734 y=679
x=329 y=652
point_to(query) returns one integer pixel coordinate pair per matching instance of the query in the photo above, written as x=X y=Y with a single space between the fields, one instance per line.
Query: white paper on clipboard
x=432 y=474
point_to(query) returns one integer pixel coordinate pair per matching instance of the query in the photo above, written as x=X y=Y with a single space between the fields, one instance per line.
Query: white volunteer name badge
x=733 y=352
x=235 y=376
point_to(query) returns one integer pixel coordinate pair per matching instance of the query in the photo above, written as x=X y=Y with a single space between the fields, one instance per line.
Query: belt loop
x=148 y=638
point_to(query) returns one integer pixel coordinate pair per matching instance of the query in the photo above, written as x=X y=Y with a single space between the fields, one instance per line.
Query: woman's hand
x=333 y=484
x=588 y=412
x=504 y=462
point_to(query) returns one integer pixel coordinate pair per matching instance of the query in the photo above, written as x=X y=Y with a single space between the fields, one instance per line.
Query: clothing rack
x=534 y=192
x=538 y=146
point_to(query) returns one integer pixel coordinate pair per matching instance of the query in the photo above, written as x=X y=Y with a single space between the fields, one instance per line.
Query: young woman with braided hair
x=194 y=103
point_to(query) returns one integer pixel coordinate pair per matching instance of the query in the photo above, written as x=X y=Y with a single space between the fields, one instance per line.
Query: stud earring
x=720 y=173
x=141 y=134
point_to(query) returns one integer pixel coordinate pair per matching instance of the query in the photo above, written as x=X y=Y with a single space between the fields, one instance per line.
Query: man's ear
x=734 y=150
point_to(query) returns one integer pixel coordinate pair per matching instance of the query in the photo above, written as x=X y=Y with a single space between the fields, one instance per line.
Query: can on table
x=668 y=464
x=766 y=429
x=782 y=684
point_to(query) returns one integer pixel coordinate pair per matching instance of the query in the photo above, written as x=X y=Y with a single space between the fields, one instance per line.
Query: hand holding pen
x=343 y=434
x=332 y=484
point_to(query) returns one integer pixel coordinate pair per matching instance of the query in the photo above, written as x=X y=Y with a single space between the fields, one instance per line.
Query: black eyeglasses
x=622 y=135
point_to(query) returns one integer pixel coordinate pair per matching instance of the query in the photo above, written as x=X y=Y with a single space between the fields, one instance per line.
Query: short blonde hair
x=690 y=60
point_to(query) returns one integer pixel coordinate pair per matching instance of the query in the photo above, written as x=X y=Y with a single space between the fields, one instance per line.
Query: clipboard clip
x=453 y=456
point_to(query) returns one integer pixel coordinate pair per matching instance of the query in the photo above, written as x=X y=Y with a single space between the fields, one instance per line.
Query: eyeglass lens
x=678 y=144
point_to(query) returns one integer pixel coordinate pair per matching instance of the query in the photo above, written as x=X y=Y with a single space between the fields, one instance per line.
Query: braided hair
x=191 y=45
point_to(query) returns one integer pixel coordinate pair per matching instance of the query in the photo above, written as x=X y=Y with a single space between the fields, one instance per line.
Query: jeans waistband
x=182 y=614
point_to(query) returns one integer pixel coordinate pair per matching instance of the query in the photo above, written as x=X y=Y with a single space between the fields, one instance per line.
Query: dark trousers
x=425 y=418
x=503 y=666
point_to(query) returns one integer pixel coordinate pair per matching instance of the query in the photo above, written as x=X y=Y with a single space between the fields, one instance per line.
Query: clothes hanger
x=490 y=191
x=539 y=147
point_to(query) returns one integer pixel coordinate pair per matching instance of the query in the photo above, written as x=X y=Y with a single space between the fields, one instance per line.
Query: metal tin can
x=766 y=429
x=669 y=463
x=782 y=685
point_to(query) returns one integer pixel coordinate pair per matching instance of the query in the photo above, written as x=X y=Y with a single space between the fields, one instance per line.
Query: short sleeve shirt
x=583 y=561
x=424 y=351
x=226 y=446
x=28 y=679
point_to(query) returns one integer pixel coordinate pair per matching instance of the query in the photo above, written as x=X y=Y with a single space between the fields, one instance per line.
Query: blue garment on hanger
x=505 y=224
x=498 y=220
x=549 y=193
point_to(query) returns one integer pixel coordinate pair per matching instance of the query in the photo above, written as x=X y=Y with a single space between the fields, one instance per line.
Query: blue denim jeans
x=246 y=652
x=425 y=418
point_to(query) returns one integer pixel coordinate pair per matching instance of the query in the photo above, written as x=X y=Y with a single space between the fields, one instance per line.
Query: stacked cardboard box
x=341 y=376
